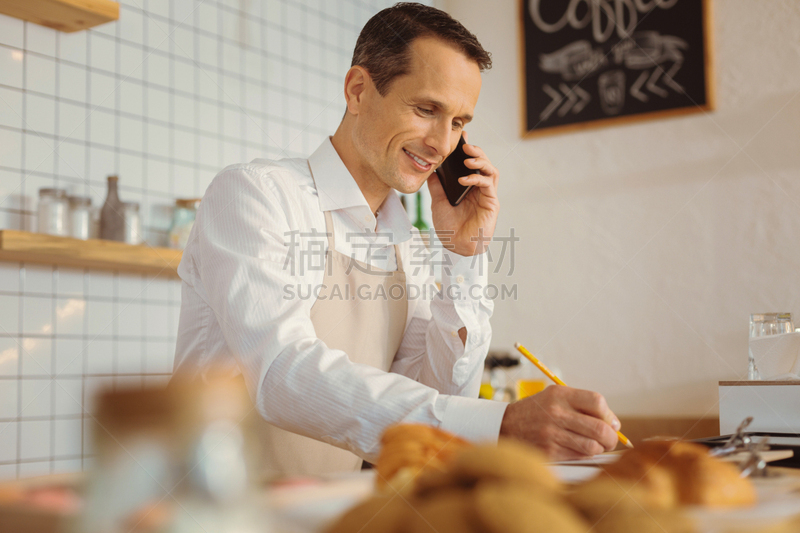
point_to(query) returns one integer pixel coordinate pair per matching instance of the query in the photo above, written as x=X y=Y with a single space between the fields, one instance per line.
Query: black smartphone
x=450 y=170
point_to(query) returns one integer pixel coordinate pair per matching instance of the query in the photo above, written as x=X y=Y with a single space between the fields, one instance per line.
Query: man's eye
x=425 y=111
x=457 y=125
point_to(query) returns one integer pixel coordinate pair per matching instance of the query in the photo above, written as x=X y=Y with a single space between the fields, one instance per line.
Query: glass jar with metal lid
x=53 y=212
x=80 y=216
x=182 y=221
x=133 y=223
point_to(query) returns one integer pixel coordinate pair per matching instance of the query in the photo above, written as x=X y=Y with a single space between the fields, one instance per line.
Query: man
x=328 y=361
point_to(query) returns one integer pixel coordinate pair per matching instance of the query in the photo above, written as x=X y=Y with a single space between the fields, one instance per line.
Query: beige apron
x=368 y=330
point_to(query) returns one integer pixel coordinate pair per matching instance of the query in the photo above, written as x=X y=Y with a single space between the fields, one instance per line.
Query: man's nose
x=438 y=139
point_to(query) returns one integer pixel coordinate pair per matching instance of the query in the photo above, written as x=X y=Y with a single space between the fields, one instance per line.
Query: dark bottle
x=112 y=216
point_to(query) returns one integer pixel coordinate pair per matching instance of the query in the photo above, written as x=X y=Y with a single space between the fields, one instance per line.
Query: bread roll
x=508 y=462
x=378 y=514
x=514 y=508
x=664 y=475
x=694 y=477
x=408 y=449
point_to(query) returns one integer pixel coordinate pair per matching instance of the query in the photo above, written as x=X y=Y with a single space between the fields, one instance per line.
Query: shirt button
x=366 y=219
x=460 y=279
x=454 y=333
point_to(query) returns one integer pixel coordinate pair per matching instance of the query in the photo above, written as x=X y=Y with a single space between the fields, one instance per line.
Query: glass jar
x=80 y=217
x=133 y=223
x=182 y=221
x=53 y=212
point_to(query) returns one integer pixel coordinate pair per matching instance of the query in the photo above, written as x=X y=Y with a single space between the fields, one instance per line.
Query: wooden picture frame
x=575 y=81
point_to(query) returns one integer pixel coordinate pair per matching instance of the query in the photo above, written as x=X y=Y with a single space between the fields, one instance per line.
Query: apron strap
x=398 y=258
x=331 y=241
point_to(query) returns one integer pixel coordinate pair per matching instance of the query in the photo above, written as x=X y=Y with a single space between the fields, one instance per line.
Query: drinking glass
x=761 y=325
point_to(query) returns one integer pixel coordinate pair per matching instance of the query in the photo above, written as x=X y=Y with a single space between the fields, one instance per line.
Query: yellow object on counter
x=529 y=387
x=486 y=391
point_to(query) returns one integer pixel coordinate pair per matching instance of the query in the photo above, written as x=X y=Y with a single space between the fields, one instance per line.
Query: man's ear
x=356 y=82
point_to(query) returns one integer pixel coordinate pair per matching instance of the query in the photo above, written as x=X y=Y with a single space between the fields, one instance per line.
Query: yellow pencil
x=546 y=371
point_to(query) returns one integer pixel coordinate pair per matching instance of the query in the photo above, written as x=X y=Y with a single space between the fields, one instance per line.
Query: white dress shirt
x=255 y=255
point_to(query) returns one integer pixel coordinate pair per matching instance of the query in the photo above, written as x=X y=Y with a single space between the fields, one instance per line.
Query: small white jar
x=53 y=212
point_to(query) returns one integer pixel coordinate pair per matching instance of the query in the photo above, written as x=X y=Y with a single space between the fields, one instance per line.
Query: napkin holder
x=774 y=406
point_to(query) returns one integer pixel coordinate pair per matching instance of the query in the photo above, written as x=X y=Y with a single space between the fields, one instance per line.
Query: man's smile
x=420 y=163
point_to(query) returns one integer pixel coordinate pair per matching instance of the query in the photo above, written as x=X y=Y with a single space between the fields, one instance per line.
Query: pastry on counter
x=432 y=481
x=665 y=475
x=508 y=462
x=409 y=449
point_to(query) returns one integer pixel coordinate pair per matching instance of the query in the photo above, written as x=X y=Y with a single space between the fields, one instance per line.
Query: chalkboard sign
x=594 y=62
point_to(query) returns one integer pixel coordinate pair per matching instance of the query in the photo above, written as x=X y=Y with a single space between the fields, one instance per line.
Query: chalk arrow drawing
x=669 y=77
x=576 y=100
x=572 y=99
x=637 y=86
x=556 y=96
x=649 y=80
x=585 y=97
x=651 y=84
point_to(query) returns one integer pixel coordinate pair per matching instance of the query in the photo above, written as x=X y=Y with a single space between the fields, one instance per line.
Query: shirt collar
x=337 y=189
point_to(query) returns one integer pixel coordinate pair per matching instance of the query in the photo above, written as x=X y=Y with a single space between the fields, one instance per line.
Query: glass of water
x=761 y=325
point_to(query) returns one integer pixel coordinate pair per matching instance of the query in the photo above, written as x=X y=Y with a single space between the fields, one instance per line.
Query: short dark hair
x=383 y=45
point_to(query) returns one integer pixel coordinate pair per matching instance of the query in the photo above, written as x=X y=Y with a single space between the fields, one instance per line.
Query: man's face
x=402 y=137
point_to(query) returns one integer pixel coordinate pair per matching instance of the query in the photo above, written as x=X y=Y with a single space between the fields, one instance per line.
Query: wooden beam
x=62 y=15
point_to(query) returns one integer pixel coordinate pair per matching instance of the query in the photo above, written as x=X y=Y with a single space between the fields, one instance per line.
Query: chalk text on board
x=614 y=12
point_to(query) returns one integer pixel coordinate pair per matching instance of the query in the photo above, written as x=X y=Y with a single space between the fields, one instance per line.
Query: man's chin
x=410 y=186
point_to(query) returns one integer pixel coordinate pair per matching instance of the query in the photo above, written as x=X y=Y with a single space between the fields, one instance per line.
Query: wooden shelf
x=26 y=247
x=62 y=15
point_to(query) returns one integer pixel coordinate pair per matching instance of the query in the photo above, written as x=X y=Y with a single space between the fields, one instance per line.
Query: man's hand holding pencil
x=565 y=423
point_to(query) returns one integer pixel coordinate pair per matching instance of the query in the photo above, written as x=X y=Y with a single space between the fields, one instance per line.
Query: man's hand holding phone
x=467 y=228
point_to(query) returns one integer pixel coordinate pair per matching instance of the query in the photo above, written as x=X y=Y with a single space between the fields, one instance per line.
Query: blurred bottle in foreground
x=175 y=460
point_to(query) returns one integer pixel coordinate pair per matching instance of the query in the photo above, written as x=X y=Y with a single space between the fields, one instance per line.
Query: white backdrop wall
x=645 y=247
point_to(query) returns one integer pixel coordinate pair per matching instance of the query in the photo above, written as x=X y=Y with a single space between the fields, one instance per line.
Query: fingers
x=480 y=163
x=472 y=150
x=580 y=445
x=595 y=434
x=485 y=183
x=478 y=159
x=592 y=404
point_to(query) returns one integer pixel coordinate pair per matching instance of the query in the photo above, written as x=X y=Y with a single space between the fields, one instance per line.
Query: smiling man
x=305 y=276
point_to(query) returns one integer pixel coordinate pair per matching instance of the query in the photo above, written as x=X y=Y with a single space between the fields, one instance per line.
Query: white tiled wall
x=166 y=97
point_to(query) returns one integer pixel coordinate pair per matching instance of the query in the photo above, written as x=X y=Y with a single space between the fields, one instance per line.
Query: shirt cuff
x=464 y=271
x=474 y=419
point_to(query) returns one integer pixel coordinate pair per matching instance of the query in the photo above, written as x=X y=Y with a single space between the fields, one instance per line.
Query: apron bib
x=368 y=330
